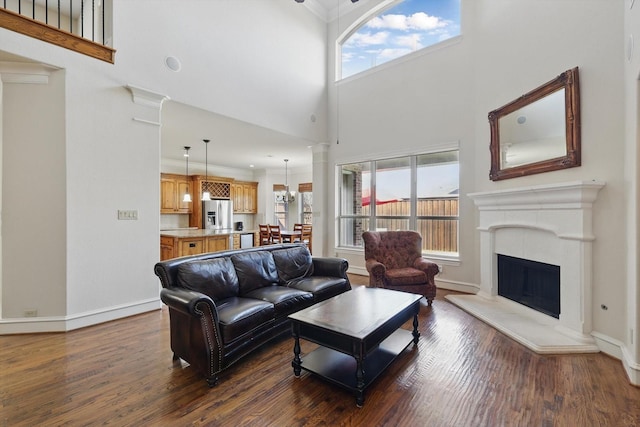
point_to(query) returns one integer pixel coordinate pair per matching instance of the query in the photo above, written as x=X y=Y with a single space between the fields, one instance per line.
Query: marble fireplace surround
x=546 y=223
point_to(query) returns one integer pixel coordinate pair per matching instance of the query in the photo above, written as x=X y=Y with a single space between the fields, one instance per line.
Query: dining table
x=290 y=235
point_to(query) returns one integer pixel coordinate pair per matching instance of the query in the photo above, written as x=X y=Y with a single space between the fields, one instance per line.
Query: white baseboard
x=360 y=271
x=468 y=288
x=619 y=350
x=30 y=325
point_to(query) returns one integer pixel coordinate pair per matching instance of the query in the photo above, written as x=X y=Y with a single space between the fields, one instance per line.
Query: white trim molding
x=30 y=325
x=147 y=97
x=25 y=72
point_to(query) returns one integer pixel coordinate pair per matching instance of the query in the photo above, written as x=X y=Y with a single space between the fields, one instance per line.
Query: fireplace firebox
x=531 y=283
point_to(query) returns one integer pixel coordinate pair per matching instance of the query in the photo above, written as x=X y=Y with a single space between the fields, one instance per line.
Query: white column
x=320 y=202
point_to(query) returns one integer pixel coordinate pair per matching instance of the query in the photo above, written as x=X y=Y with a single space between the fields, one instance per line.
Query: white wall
x=262 y=62
x=632 y=97
x=33 y=198
x=506 y=49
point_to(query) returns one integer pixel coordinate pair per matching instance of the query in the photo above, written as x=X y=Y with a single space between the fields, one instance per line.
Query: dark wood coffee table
x=359 y=335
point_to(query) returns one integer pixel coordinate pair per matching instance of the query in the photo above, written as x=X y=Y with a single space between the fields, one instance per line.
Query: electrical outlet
x=31 y=312
x=130 y=215
x=440 y=269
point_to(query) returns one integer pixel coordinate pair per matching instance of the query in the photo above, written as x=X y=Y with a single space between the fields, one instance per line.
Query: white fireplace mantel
x=546 y=223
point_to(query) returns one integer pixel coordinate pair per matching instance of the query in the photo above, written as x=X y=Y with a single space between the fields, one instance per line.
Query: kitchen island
x=193 y=241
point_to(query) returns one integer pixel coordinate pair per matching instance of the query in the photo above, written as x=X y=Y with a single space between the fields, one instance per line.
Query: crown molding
x=25 y=72
x=147 y=97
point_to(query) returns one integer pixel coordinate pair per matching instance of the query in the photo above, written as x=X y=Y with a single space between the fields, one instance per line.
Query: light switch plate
x=127 y=215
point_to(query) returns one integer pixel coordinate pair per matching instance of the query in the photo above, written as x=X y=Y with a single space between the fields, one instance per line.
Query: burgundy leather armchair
x=394 y=261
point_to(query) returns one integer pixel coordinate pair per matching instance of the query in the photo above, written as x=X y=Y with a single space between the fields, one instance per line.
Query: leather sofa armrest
x=430 y=268
x=329 y=266
x=376 y=271
x=187 y=302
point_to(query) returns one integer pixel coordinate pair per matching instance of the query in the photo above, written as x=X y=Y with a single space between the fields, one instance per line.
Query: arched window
x=403 y=27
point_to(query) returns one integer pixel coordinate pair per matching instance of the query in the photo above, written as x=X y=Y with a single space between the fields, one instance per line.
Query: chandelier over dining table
x=287 y=196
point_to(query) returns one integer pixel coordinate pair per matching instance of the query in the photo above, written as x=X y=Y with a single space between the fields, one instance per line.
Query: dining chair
x=305 y=235
x=265 y=235
x=274 y=231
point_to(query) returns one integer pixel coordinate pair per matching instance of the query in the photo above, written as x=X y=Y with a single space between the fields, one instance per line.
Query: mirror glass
x=537 y=132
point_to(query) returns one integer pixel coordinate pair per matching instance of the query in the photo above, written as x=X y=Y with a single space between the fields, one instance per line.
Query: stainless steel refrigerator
x=217 y=215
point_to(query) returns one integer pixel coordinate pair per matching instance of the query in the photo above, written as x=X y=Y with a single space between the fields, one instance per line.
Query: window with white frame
x=305 y=194
x=403 y=27
x=418 y=192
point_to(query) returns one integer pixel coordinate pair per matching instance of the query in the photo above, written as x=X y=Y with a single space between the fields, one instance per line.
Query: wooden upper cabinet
x=245 y=197
x=172 y=189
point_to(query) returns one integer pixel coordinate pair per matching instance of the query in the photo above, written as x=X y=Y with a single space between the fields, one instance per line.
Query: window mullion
x=372 y=185
x=413 y=213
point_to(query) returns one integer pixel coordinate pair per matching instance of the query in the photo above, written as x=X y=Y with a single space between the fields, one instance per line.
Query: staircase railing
x=80 y=25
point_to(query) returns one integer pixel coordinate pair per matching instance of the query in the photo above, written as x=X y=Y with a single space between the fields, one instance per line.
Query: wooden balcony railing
x=80 y=26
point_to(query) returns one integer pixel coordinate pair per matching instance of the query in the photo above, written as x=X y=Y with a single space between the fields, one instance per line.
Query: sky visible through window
x=433 y=181
x=409 y=26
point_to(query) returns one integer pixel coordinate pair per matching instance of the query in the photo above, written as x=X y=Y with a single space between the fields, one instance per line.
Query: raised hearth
x=549 y=224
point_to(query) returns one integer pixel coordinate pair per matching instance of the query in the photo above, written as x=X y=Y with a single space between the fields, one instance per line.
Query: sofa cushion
x=254 y=270
x=239 y=316
x=293 y=263
x=213 y=277
x=322 y=287
x=285 y=300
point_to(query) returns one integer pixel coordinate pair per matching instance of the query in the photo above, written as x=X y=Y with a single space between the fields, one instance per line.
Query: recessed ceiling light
x=173 y=63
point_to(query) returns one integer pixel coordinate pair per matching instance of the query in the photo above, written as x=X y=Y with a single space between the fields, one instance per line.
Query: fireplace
x=548 y=224
x=530 y=283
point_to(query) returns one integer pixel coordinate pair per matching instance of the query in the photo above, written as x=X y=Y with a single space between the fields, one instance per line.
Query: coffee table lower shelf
x=340 y=368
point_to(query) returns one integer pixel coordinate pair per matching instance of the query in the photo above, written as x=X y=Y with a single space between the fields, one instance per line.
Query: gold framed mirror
x=539 y=131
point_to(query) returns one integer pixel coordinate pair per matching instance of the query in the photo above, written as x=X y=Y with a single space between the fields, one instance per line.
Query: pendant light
x=288 y=196
x=187 y=195
x=205 y=194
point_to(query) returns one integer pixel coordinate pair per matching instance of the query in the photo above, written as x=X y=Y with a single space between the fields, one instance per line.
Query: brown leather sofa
x=394 y=261
x=223 y=305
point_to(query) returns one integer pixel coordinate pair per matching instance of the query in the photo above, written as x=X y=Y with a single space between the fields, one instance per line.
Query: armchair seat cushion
x=238 y=315
x=405 y=276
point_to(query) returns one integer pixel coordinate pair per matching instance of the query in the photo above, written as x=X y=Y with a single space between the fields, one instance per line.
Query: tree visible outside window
x=306 y=204
x=408 y=26
x=281 y=210
x=407 y=193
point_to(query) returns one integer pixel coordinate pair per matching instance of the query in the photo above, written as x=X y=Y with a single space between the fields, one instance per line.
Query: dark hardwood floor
x=462 y=373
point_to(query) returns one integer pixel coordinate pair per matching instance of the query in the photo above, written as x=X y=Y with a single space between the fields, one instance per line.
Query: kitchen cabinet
x=218 y=188
x=191 y=246
x=191 y=242
x=172 y=189
x=218 y=243
x=167 y=249
x=245 y=197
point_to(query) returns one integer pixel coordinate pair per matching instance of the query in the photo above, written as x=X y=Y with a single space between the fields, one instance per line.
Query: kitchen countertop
x=199 y=232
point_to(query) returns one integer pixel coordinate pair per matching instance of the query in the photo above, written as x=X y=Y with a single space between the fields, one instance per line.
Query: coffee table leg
x=297 y=362
x=416 y=334
x=359 y=382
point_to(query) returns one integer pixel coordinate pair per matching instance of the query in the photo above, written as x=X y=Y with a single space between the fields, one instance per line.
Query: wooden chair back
x=265 y=235
x=274 y=230
x=305 y=235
